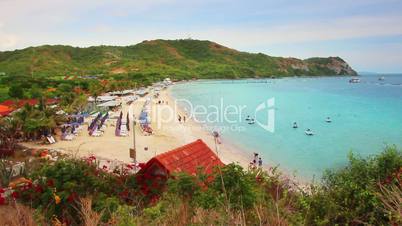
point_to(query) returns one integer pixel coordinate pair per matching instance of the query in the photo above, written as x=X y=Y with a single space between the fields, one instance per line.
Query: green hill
x=180 y=59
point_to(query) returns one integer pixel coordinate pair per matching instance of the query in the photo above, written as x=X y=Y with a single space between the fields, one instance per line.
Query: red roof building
x=5 y=110
x=9 y=106
x=32 y=102
x=188 y=159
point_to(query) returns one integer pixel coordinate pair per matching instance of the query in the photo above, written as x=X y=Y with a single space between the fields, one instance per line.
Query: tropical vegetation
x=152 y=60
x=367 y=191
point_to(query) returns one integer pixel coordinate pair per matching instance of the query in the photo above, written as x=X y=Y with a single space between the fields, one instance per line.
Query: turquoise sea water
x=365 y=117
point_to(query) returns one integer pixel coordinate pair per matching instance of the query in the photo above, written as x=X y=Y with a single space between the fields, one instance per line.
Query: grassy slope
x=177 y=58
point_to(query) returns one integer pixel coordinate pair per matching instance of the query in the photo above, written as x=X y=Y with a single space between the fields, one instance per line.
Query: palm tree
x=9 y=132
x=95 y=89
x=35 y=121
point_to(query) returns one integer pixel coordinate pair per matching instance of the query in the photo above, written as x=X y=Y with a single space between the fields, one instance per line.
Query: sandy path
x=168 y=134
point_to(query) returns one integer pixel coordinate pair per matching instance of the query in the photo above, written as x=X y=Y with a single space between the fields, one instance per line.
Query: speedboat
x=295 y=125
x=308 y=132
x=354 y=80
x=328 y=120
x=251 y=121
x=382 y=78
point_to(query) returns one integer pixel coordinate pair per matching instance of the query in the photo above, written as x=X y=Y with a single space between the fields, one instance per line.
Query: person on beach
x=184 y=118
x=255 y=157
x=179 y=117
x=260 y=163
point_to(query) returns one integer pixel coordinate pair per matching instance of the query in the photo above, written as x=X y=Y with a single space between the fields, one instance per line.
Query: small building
x=101 y=99
x=5 y=110
x=189 y=159
x=8 y=106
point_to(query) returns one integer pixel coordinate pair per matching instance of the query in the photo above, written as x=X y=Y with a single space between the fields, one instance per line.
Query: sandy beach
x=167 y=135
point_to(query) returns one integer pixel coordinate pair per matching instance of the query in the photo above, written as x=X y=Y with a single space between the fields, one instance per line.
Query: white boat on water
x=308 y=132
x=354 y=80
x=328 y=119
x=295 y=125
x=382 y=78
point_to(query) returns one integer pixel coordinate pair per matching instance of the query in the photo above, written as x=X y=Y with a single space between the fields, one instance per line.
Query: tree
x=36 y=92
x=16 y=91
x=95 y=89
x=9 y=129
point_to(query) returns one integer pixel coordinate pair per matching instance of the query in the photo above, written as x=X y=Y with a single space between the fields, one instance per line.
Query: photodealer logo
x=225 y=116
x=270 y=122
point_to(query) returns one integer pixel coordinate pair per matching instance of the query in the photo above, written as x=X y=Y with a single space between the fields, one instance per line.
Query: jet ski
x=251 y=121
x=248 y=118
x=308 y=132
x=328 y=120
x=295 y=125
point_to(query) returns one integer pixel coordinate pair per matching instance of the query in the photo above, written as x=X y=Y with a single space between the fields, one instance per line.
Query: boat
x=382 y=78
x=248 y=118
x=295 y=125
x=354 y=80
x=251 y=121
x=308 y=132
x=328 y=119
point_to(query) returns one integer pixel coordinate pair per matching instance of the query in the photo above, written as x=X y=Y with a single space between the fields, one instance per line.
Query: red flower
x=72 y=197
x=2 y=201
x=38 y=189
x=154 y=200
x=124 y=194
x=50 y=183
x=15 y=195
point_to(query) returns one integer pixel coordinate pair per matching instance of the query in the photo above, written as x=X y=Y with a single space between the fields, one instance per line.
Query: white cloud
x=337 y=29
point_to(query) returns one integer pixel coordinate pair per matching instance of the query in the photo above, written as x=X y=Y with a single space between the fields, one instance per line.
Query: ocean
x=366 y=117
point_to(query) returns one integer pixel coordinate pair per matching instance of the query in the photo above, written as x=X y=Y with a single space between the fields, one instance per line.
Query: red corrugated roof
x=12 y=103
x=5 y=110
x=188 y=158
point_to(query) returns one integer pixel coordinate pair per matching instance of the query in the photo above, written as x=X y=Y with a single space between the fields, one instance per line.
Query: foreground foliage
x=367 y=191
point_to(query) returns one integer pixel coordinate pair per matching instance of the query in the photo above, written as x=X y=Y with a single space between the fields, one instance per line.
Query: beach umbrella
x=104 y=119
x=117 y=130
x=128 y=122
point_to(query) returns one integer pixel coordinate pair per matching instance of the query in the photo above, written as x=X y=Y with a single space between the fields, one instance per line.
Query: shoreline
x=245 y=155
x=168 y=136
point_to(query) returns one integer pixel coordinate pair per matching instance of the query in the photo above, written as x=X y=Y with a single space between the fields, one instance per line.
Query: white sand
x=169 y=135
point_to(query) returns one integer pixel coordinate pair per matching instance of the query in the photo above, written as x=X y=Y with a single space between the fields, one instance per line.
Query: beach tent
x=188 y=159
x=130 y=98
x=101 y=98
x=112 y=103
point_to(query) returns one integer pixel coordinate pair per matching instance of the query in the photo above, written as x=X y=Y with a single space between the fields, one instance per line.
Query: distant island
x=156 y=59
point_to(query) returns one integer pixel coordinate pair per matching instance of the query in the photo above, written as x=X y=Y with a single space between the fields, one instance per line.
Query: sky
x=366 y=33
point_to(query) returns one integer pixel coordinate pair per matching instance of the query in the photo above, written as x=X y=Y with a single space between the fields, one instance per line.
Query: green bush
x=349 y=195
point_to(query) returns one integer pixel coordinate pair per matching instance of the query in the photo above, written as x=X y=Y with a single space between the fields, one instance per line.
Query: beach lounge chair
x=68 y=137
x=123 y=130
x=51 y=139
x=97 y=133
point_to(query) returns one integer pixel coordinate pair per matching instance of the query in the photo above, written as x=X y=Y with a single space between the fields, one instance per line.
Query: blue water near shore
x=366 y=117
